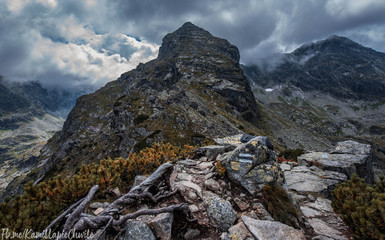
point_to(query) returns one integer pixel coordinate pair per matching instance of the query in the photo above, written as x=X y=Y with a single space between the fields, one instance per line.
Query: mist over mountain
x=29 y=115
x=337 y=66
x=334 y=88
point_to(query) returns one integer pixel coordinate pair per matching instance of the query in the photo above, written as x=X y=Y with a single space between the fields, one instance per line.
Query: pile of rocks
x=317 y=174
x=230 y=207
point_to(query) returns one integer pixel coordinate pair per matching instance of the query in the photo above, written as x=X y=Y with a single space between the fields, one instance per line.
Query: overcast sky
x=90 y=42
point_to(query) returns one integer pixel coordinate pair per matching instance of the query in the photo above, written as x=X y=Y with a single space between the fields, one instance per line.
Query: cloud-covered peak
x=90 y=42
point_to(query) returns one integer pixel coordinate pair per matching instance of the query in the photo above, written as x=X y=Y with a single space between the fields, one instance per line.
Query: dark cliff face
x=337 y=66
x=194 y=91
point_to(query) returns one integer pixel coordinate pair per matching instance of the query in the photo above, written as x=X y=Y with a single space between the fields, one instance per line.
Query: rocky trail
x=195 y=200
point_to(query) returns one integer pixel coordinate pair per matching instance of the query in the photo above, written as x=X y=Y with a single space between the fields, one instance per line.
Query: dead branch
x=73 y=217
x=125 y=200
x=172 y=208
x=110 y=217
x=58 y=219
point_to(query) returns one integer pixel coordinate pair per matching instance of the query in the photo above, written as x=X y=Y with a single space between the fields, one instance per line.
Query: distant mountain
x=193 y=92
x=29 y=115
x=324 y=92
x=336 y=66
x=20 y=102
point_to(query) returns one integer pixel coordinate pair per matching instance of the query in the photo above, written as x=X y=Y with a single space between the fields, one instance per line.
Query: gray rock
x=192 y=234
x=240 y=139
x=265 y=141
x=352 y=147
x=240 y=229
x=193 y=208
x=261 y=212
x=187 y=163
x=285 y=167
x=303 y=180
x=268 y=230
x=184 y=177
x=182 y=185
x=205 y=165
x=325 y=222
x=220 y=212
x=136 y=230
x=212 y=185
x=253 y=165
x=225 y=236
x=209 y=175
x=322 y=228
x=349 y=158
x=162 y=225
x=310 y=197
x=230 y=140
x=241 y=204
x=212 y=151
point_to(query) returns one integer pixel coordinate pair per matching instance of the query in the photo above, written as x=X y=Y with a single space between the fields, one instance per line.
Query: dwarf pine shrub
x=42 y=203
x=362 y=207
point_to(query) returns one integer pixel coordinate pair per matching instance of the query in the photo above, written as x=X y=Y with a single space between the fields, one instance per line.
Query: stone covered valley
x=234 y=182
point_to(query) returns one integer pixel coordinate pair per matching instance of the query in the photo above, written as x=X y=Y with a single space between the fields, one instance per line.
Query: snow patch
x=269 y=89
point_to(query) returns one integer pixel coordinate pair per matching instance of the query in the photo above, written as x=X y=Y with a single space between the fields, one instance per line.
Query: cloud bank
x=81 y=43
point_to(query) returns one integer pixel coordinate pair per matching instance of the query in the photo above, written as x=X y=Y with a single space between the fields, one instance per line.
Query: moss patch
x=280 y=205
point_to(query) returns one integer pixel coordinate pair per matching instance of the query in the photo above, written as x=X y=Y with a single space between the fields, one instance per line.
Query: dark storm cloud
x=258 y=28
x=93 y=41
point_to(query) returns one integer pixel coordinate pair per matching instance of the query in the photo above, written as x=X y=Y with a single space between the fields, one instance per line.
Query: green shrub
x=280 y=205
x=42 y=203
x=362 y=207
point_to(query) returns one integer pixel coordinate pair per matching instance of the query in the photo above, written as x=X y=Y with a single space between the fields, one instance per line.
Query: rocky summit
x=194 y=91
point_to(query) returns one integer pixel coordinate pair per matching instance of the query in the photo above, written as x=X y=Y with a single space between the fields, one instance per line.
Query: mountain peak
x=191 y=40
x=332 y=44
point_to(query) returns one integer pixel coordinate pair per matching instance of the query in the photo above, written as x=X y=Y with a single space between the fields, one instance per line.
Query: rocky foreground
x=233 y=206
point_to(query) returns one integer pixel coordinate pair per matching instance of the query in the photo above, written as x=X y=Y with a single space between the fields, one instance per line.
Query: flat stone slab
x=349 y=158
x=303 y=180
x=352 y=147
x=323 y=219
x=268 y=230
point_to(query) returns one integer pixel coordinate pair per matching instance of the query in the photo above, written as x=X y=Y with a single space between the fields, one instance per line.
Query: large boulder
x=252 y=164
x=136 y=230
x=162 y=225
x=268 y=230
x=220 y=212
x=349 y=158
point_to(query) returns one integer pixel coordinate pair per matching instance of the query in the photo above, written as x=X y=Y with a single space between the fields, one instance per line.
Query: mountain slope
x=335 y=66
x=333 y=89
x=29 y=115
x=194 y=91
